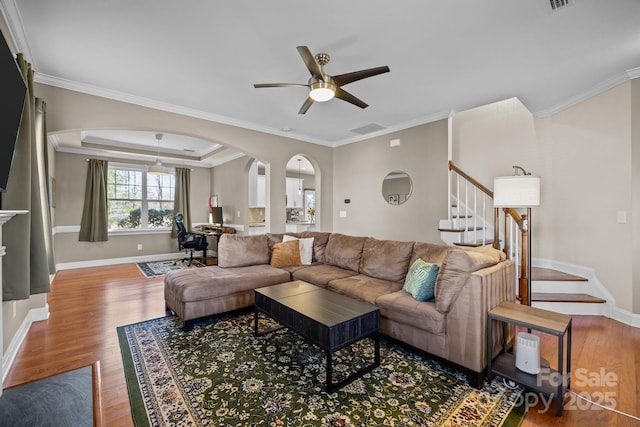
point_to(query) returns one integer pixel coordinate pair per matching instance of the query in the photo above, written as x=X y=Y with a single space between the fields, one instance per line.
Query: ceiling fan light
x=322 y=91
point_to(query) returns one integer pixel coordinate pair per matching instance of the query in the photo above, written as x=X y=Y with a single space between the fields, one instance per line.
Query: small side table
x=553 y=382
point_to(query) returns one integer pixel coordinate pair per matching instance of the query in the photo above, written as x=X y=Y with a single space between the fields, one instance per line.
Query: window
x=139 y=200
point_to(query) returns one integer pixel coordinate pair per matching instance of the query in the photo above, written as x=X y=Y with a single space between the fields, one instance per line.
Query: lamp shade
x=516 y=191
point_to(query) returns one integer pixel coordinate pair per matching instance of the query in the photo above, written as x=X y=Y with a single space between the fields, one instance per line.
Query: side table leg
x=569 y=356
x=489 y=348
x=560 y=397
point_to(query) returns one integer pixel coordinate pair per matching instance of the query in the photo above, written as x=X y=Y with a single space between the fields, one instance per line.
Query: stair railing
x=510 y=228
x=479 y=193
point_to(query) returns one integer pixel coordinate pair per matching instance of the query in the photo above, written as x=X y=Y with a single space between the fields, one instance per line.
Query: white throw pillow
x=306 y=247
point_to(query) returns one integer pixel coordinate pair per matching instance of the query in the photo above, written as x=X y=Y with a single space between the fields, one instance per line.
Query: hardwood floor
x=87 y=305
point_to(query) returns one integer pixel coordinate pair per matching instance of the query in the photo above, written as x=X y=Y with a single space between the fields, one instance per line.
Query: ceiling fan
x=322 y=86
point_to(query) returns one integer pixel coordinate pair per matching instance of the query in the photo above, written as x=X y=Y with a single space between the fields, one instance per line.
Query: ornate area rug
x=160 y=268
x=220 y=374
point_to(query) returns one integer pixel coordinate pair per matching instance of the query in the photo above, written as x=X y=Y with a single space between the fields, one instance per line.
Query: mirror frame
x=396 y=199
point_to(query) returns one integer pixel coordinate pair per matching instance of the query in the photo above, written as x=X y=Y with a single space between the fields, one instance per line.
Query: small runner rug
x=220 y=374
x=160 y=268
x=58 y=401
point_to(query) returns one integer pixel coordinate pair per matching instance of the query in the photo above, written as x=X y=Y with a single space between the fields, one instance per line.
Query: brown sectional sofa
x=452 y=326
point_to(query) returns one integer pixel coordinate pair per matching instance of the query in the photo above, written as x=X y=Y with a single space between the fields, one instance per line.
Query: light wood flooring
x=87 y=305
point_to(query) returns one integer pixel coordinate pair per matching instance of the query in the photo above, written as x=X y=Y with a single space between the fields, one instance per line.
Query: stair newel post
x=507 y=234
x=525 y=264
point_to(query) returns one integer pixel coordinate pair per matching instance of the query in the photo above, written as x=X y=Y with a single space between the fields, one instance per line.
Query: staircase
x=567 y=293
x=472 y=222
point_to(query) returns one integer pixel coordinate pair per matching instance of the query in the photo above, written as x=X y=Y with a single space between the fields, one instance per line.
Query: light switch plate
x=343 y=214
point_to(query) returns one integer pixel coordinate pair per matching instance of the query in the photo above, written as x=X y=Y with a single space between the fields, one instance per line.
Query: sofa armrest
x=466 y=321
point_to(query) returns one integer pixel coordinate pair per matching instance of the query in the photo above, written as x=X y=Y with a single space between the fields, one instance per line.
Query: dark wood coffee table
x=325 y=318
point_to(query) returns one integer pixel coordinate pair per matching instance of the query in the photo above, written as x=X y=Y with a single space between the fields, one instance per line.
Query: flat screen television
x=13 y=91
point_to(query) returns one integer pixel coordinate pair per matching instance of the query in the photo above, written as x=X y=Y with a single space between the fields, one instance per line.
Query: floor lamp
x=519 y=191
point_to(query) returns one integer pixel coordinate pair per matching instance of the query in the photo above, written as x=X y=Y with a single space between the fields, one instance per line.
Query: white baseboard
x=625 y=316
x=125 y=260
x=34 y=315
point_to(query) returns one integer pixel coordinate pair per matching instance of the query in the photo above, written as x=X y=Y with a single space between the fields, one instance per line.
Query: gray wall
x=635 y=194
x=230 y=183
x=359 y=169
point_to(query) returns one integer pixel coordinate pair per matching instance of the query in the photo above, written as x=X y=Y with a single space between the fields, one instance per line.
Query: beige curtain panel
x=94 y=226
x=181 y=201
x=29 y=258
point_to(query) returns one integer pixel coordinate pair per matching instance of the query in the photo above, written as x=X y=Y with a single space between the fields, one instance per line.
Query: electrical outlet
x=139 y=246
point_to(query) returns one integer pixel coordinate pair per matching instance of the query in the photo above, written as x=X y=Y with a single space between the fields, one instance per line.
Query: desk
x=211 y=231
x=551 y=382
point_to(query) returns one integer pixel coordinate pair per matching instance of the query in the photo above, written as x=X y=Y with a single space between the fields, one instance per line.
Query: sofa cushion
x=237 y=251
x=274 y=238
x=421 y=280
x=305 y=247
x=455 y=271
x=320 y=240
x=363 y=287
x=344 y=251
x=213 y=282
x=321 y=274
x=430 y=252
x=403 y=308
x=286 y=254
x=386 y=259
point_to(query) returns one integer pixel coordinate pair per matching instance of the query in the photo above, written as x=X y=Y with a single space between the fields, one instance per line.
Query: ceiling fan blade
x=259 y=85
x=305 y=106
x=310 y=62
x=346 y=96
x=343 y=79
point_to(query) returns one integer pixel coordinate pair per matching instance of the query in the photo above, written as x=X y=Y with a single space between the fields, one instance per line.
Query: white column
x=4 y=217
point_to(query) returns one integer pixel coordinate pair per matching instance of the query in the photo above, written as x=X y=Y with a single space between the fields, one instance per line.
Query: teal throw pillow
x=421 y=280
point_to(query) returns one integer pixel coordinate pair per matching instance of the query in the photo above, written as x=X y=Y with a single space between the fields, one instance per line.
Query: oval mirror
x=397 y=187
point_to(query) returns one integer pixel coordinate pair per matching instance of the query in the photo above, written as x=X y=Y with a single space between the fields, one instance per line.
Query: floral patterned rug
x=220 y=374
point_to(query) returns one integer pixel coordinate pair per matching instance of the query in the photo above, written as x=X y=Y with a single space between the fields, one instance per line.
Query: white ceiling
x=202 y=58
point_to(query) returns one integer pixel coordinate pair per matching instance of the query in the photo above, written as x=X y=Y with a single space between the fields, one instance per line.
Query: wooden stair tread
x=475 y=244
x=547 y=274
x=560 y=297
x=460 y=230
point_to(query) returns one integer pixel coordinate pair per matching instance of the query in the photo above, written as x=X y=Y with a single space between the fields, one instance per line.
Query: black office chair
x=190 y=241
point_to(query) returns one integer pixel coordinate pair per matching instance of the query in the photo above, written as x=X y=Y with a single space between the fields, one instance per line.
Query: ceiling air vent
x=557 y=4
x=370 y=128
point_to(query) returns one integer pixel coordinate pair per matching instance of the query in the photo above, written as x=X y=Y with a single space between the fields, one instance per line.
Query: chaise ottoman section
x=211 y=290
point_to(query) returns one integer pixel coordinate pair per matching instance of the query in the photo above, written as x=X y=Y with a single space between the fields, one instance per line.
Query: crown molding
x=633 y=73
x=596 y=90
x=163 y=106
x=13 y=20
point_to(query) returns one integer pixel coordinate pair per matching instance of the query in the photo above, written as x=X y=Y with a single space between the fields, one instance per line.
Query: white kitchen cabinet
x=299 y=228
x=261 y=191
x=294 y=197
x=257 y=187
x=257 y=229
